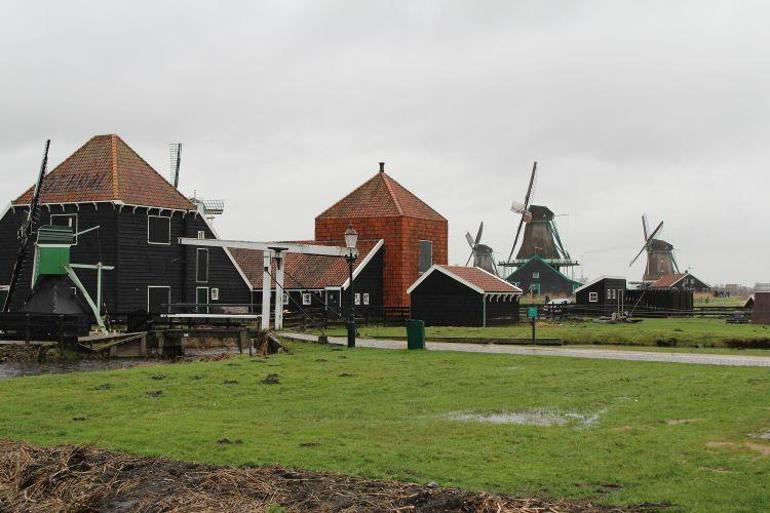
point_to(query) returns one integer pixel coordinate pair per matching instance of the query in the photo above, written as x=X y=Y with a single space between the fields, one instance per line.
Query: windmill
x=27 y=231
x=481 y=254
x=541 y=235
x=660 y=254
x=536 y=264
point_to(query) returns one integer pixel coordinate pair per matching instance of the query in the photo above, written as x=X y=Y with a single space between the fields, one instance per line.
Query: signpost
x=532 y=315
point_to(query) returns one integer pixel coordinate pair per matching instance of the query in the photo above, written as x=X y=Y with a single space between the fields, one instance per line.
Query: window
x=202 y=298
x=593 y=297
x=357 y=299
x=215 y=294
x=426 y=255
x=536 y=275
x=158 y=299
x=70 y=220
x=285 y=298
x=201 y=265
x=201 y=234
x=158 y=230
x=307 y=298
x=611 y=294
x=366 y=298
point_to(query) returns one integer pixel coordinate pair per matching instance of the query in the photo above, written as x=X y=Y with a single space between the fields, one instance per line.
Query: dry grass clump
x=71 y=479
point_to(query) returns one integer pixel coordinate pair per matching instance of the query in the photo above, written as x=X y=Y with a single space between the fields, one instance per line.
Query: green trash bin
x=415 y=334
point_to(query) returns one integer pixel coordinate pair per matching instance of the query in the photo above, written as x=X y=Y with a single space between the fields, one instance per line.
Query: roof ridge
x=353 y=192
x=396 y=182
x=118 y=138
x=386 y=178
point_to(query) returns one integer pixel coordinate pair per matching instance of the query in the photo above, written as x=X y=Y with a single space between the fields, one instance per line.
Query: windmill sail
x=27 y=230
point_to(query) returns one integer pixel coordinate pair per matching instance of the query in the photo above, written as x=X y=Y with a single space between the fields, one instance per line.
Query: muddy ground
x=82 y=479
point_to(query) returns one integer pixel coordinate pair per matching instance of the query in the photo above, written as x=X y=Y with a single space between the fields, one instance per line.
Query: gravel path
x=596 y=354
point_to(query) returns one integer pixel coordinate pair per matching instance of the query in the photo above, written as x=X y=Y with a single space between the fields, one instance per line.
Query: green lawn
x=692 y=332
x=664 y=432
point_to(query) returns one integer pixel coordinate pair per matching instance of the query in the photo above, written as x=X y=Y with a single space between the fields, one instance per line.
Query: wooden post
x=27 y=334
x=61 y=336
x=243 y=338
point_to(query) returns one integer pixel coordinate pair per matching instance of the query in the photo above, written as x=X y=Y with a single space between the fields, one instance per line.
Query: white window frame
x=285 y=298
x=357 y=298
x=214 y=294
x=74 y=228
x=208 y=299
x=536 y=275
x=366 y=299
x=201 y=234
x=169 y=230
x=208 y=264
x=307 y=299
x=167 y=287
x=593 y=297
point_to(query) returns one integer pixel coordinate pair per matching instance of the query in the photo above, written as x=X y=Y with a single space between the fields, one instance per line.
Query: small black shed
x=463 y=296
x=602 y=296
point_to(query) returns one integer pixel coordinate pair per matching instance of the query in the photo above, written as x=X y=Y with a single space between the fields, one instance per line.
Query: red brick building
x=415 y=235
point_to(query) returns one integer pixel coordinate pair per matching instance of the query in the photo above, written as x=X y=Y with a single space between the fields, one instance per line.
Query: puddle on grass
x=542 y=418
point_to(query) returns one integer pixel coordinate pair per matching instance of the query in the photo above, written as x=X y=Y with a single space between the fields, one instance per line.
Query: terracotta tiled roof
x=481 y=279
x=107 y=169
x=667 y=280
x=303 y=271
x=381 y=196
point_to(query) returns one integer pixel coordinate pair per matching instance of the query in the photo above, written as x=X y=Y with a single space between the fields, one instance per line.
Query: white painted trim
x=8 y=207
x=208 y=297
x=114 y=203
x=208 y=264
x=149 y=216
x=230 y=256
x=360 y=267
x=597 y=280
x=288 y=247
x=158 y=287
x=74 y=228
x=436 y=267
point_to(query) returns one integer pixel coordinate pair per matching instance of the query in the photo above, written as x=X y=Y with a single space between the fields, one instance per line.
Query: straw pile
x=71 y=479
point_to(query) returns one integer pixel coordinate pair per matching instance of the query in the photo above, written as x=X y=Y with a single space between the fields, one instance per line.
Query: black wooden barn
x=463 y=296
x=609 y=294
x=760 y=309
x=140 y=215
x=313 y=282
x=601 y=296
x=537 y=277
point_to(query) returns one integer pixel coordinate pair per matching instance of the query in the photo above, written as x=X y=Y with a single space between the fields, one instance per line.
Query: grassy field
x=625 y=432
x=693 y=332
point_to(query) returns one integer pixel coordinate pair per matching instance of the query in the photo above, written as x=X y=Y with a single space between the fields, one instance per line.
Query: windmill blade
x=470 y=240
x=673 y=261
x=27 y=230
x=478 y=234
x=527 y=199
x=469 y=258
x=638 y=255
x=654 y=233
x=644 y=226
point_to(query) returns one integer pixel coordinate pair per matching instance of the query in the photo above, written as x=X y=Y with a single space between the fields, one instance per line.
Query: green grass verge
x=383 y=414
x=692 y=332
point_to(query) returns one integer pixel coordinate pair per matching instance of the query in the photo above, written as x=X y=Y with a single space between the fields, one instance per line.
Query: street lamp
x=351 y=237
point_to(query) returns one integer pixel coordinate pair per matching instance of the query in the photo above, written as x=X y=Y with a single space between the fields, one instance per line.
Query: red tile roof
x=303 y=271
x=482 y=279
x=381 y=196
x=107 y=169
x=667 y=280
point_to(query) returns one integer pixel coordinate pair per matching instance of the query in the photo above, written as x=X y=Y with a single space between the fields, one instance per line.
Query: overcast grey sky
x=283 y=107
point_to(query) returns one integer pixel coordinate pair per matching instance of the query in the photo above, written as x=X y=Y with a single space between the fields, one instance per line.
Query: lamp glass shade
x=351 y=237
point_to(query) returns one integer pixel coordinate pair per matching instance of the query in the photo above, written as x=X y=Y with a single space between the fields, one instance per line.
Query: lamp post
x=351 y=238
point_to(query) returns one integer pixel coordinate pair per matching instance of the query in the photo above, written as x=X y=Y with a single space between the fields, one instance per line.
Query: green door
x=202 y=298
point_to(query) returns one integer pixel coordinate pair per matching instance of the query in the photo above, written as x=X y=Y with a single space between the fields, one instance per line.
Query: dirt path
x=598 y=354
x=77 y=479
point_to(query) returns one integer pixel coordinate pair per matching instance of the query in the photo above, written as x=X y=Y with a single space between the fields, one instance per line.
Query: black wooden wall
x=551 y=282
x=441 y=301
x=122 y=242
